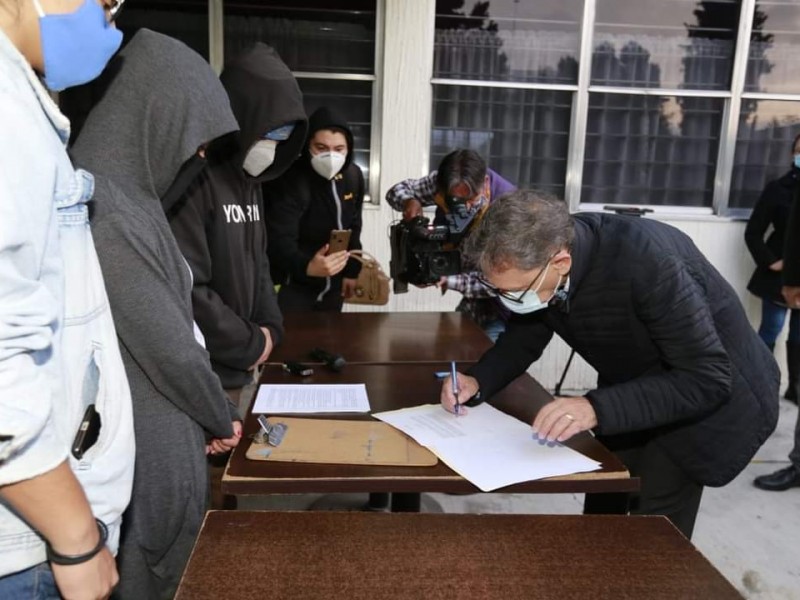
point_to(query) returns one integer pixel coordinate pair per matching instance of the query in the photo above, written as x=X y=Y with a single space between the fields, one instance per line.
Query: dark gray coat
x=677 y=359
x=163 y=102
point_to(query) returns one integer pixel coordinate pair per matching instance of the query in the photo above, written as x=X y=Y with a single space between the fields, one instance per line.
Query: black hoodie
x=220 y=228
x=303 y=207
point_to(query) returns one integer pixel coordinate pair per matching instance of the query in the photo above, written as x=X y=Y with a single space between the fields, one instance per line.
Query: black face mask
x=173 y=199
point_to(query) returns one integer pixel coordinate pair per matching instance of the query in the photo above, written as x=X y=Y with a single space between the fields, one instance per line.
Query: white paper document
x=302 y=398
x=486 y=446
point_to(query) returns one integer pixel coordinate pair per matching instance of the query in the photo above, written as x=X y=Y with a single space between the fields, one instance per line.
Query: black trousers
x=666 y=490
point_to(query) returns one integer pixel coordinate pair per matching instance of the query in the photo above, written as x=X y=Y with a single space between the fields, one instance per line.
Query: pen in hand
x=453 y=376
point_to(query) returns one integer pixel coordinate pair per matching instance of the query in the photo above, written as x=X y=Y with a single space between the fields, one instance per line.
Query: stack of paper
x=486 y=446
x=305 y=399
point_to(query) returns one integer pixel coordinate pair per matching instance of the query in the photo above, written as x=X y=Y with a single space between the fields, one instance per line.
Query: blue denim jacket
x=58 y=347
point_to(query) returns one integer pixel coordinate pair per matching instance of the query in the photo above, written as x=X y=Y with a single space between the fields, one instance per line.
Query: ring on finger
x=569 y=416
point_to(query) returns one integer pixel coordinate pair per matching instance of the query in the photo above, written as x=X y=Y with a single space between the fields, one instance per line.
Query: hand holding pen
x=454 y=381
x=457 y=391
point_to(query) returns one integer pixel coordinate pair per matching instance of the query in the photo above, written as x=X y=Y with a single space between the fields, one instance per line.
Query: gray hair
x=523 y=229
x=461 y=166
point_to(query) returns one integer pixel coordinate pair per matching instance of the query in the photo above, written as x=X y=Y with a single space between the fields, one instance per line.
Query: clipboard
x=340 y=441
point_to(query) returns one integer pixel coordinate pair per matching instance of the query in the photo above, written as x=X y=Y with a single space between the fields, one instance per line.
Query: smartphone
x=340 y=240
x=88 y=432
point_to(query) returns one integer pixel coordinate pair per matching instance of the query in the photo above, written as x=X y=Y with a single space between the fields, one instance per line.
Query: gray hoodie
x=161 y=103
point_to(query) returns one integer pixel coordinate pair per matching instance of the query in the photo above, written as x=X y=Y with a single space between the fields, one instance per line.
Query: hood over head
x=162 y=101
x=328 y=118
x=264 y=95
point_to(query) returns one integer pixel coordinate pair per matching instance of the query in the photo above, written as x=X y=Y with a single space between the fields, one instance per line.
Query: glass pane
x=772 y=64
x=352 y=100
x=508 y=40
x=763 y=147
x=188 y=23
x=656 y=150
x=308 y=34
x=522 y=134
x=665 y=43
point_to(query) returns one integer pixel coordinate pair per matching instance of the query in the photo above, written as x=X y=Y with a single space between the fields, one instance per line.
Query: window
x=763 y=147
x=522 y=134
x=664 y=103
x=656 y=150
x=186 y=20
x=671 y=44
x=331 y=51
x=767 y=126
x=503 y=76
x=772 y=65
x=649 y=142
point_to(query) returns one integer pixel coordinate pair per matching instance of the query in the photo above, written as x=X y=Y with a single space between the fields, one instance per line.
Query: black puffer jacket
x=303 y=207
x=677 y=358
x=772 y=208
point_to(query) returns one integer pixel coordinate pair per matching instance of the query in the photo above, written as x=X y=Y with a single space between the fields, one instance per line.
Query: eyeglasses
x=517 y=296
x=114 y=7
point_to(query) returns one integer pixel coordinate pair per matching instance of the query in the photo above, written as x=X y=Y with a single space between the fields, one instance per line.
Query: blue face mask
x=797 y=160
x=76 y=46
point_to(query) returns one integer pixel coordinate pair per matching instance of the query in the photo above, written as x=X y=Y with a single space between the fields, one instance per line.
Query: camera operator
x=462 y=174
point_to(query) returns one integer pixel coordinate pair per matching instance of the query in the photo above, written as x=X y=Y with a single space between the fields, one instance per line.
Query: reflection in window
x=307 y=34
x=772 y=64
x=763 y=147
x=352 y=100
x=187 y=23
x=651 y=150
x=665 y=43
x=522 y=134
x=507 y=40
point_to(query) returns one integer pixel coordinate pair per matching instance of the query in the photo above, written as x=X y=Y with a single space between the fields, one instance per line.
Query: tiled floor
x=751 y=536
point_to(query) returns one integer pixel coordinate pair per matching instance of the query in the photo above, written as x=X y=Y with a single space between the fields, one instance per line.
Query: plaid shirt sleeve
x=423 y=189
x=468 y=284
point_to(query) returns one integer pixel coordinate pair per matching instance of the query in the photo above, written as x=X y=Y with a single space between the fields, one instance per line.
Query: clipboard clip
x=271 y=434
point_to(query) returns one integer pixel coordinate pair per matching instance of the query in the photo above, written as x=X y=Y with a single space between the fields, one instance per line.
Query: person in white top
x=60 y=505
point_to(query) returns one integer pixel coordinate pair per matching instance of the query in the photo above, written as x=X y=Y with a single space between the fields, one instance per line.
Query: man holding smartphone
x=314 y=219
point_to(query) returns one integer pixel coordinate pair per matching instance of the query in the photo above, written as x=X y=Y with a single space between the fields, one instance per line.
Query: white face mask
x=531 y=302
x=328 y=164
x=260 y=157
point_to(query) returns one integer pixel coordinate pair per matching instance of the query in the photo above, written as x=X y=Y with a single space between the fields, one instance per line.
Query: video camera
x=423 y=252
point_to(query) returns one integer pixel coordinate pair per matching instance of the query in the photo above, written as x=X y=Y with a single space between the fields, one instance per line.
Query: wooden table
x=382 y=338
x=397 y=386
x=324 y=555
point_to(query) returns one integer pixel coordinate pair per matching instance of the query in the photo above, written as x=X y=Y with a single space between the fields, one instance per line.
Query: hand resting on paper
x=562 y=418
x=467 y=388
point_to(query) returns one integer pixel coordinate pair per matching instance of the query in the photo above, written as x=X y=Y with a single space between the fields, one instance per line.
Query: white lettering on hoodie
x=235 y=213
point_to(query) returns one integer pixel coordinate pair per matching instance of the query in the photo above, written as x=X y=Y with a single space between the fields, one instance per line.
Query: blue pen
x=453 y=376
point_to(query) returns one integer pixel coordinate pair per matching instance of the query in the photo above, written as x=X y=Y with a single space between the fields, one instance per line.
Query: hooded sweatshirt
x=162 y=102
x=219 y=225
x=303 y=207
